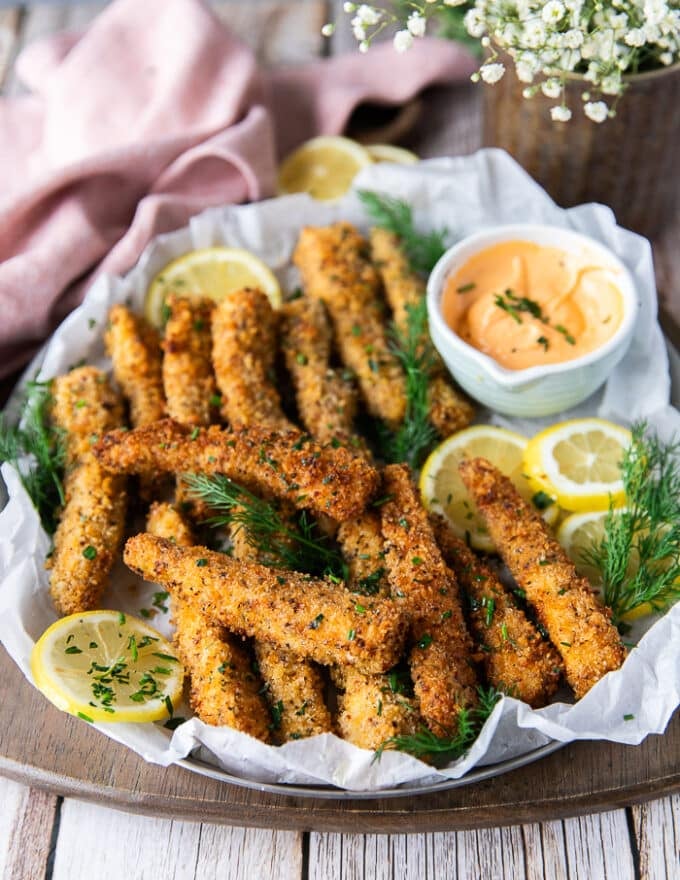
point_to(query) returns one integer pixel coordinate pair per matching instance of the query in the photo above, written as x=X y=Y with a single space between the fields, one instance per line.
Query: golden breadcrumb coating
x=90 y=531
x=188 y=380
x=135 y=350
x=295 y=690
x=362 y=546
x=516 y=659
x=578 y=626
x=323 y=479
x=450 y=410
x=370 y=709
x=326 y=398
x=304 y=615
x=85 y=406
x=224 y=689
x=335 y=268
x=244 y=335
x=440 y=659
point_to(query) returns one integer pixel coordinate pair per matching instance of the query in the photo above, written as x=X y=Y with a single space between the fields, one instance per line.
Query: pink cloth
x=153 y=114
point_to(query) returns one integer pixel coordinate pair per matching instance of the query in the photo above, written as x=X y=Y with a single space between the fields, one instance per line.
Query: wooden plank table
x=48 y=835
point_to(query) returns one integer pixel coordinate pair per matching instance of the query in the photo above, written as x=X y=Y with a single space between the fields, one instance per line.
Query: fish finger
x=323 y=479
x=224 y=689
x=188 y=379
x=335 y=268
x=307 y=616
x=449 y=409
x=244 y=348
x=578 y=626
x=516 y=659
x=90 y=531
x=440 y=658
x=135 y=351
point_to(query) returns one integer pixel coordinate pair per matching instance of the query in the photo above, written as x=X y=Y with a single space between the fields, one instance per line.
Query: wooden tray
x=45 y=748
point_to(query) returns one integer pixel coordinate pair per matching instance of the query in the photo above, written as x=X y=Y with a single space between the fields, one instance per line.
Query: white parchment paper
x=464 y=195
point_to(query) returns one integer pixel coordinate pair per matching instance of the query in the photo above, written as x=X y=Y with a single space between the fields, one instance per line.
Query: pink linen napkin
x=155 y=113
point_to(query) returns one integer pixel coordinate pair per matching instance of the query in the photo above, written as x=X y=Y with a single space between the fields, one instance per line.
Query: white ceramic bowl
x=541 y=390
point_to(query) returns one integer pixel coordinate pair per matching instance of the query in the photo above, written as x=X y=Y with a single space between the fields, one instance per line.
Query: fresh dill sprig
x=413 y=349
x=35 y=438
x=440 y=750
x=639 y=554
x=297 y=545
x=422 y=249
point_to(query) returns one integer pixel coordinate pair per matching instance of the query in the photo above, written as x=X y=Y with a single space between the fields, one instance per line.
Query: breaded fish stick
x=370 y=709
x=326 y=401
x=188 y=379
x=440 y=659
x=309 y=617
x=295 y=690
x=335 y=268
x=450 y=411
x=578 y=626
x=244 y=349
x=290 y=466
x=134 y=347
x=516 y=659
x=224 y=690
x=90 y=530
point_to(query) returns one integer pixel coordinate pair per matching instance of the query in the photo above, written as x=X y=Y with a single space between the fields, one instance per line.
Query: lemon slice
x=107 y=666
x=214 y=273
x=390 y=153
x=443 y=490
x=578 y=463
x=580 y=532
x=323 y=167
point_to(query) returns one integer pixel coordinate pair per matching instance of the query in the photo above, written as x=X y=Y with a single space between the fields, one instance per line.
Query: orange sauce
x=525 y=304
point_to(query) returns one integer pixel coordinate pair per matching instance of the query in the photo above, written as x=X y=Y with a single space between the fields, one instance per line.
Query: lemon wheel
x=390 y=153
x=324 y=167
x=107 y=666
x=214 y=273
x=578 y=463
x=443 y=491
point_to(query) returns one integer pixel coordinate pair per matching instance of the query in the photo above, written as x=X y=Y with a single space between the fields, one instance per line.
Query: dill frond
x=413 y=349
x=296 y=544
x=35 y=438
x=639 y=554
x=440 y=750
x=422 y=249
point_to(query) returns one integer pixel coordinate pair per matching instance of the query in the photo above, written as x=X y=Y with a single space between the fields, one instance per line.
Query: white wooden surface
x=42 y=836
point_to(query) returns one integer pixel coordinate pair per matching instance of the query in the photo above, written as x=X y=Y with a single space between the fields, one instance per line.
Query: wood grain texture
x=27 y=818
x=657 y=834
x=598 y=847
x=107 y=845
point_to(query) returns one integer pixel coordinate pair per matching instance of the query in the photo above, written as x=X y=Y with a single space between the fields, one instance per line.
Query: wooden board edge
x=289 y=817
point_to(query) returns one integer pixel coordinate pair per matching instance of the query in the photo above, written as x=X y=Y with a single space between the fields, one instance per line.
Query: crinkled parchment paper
x=464 y=195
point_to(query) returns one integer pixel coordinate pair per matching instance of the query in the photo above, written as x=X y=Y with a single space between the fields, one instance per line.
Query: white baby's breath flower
x=474 y=23
x=553 y=12
x=358 y=30
x=534 y=35
x=368 y=15
x=666 y=58
x=635 y=37
x=327 y=30
x=491 y=73
x=572 y=39
x=524 y=71
x=596 y=110
x=349 y=7
x=364 y=46
x=611 y=85
x=551 y=88
x=403 y=40
x=654 y=11
x=560 y=114
x=416 y=24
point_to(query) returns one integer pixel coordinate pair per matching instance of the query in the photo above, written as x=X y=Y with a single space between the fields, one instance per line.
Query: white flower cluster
x=548 y=40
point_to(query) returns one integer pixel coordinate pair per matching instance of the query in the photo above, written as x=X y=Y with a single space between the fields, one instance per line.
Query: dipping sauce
x=525 y=304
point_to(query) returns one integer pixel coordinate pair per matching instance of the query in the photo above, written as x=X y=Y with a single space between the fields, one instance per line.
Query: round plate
x=324 y=792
